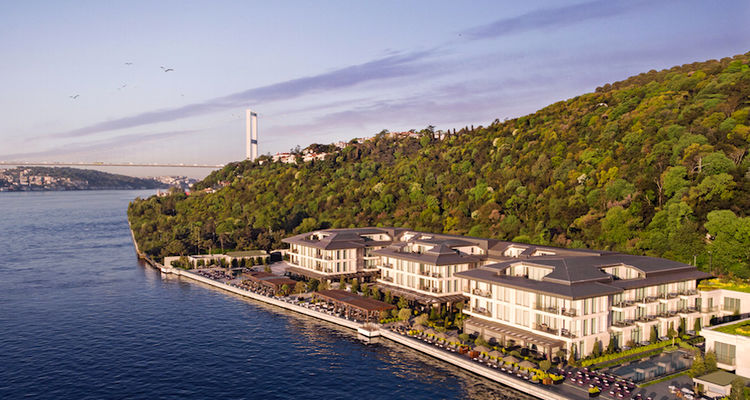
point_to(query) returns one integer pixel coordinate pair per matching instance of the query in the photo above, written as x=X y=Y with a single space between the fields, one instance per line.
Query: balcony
x=482 y=293
x=388 y=266
x=568 y=334
x=688 y=310
x=666 y=314
x=643 y=319
x=387 y=279
x=647 y=300
x=545 y=328
x=548 y=309
x=688 y=293
x=710 y=309
x=624 y=304
x=569 y=312
x=480 y=311
x=622 y=323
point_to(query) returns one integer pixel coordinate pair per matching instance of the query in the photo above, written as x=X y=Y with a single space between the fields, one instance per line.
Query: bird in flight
x=74 y=97
x=167 y=69
x=128 y=63
x=123 y=86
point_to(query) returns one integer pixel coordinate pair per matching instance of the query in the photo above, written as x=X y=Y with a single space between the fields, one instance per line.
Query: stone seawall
x=471 y=366
x=268 y=300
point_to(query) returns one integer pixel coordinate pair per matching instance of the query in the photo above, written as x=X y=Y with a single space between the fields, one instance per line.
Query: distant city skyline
x=169 y=82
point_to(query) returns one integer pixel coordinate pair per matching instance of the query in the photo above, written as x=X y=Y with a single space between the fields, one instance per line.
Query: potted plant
x=594 y=391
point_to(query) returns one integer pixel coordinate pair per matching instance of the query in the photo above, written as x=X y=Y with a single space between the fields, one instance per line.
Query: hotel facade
x=537 y=296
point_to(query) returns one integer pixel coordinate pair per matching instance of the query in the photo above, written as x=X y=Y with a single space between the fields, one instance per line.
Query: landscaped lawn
x=718 y=283
x=740 y=328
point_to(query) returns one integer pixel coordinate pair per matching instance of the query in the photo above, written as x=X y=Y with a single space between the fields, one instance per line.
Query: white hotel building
x=544 y=297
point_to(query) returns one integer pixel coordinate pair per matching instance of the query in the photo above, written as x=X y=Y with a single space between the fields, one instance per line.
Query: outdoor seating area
x=217 y=274
x=352 y=306
x=608 y=384
x=526 y=367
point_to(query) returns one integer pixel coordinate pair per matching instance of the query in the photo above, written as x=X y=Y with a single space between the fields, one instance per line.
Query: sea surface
x=81 y=318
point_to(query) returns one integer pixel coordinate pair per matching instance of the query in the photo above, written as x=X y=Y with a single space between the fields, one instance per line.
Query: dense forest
x=655 y=164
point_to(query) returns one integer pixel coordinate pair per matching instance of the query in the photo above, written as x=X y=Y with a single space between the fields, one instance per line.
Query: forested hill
x=655 y=164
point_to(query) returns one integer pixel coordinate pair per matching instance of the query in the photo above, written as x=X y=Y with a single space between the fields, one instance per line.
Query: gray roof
x=337 y=239
x=581 y=277
x=439 y=255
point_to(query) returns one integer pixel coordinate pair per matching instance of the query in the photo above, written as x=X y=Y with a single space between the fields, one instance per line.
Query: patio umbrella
x=495 y=354
x=510 y=359
x=526 y=364
x=482 y=349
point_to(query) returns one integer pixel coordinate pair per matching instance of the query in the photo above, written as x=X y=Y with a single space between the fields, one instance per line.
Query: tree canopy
x=653 y=165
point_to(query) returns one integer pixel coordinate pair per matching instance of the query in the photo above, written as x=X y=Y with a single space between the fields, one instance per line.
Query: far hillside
x=62 y=178
x=655 y=164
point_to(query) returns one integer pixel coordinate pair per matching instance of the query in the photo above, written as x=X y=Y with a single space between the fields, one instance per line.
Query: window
x=732 y=304
x=725 y=353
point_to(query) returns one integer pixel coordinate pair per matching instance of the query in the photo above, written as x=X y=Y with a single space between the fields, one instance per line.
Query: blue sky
x=316 y=71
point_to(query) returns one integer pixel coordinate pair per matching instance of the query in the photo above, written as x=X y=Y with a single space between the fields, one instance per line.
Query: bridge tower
x=251 y=135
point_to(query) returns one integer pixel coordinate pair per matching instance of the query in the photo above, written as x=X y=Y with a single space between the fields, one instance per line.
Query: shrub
x=421 y=319
x=545 y=365
x=464 y=337
x=404 y=314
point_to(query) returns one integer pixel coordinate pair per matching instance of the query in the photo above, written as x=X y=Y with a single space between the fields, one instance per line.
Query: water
x=80 y=318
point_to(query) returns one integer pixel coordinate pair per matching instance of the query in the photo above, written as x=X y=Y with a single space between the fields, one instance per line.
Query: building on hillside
x=729 y=341
x=570 y=302
x=332 y=254
x=538 y=296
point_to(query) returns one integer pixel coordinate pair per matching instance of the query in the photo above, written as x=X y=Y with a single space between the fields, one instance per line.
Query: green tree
x=402 y=302
x=737 y=391
x=355 y=285
x=342 y=283
x=710 y=361
x=299 y=287
x=597 y=349
x=654 y=335
x=698 y=368
x=404 y=314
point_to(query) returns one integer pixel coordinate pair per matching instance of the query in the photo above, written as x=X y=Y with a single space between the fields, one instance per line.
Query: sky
x=86 y=80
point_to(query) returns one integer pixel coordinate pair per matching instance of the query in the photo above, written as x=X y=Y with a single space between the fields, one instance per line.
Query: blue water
x=80 y=318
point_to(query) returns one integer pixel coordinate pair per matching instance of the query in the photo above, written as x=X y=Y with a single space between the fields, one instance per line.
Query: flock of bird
x=124 y=85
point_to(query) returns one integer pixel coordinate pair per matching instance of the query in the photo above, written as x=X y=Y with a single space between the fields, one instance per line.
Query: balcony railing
x=666 y=314
x=387 y=278
x=389 y=266
x=482 y=293
x=568 y=334
x=481 y=311
x=623 y=323
x=571 y=312
x=624 y=303
x=710 y=309
x=549 y=309
x=545 y=328
x=645 y=318
x=687 y=310
x=688 y=293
